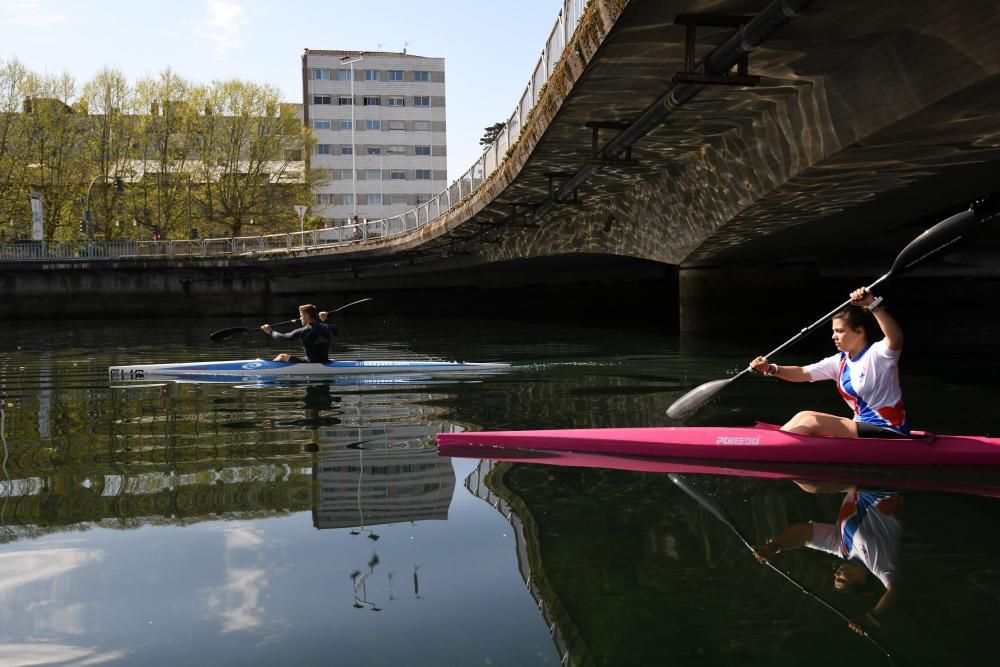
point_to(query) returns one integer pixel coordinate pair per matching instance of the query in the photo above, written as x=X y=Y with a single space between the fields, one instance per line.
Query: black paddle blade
x=689 y=403
x=226 y=334
x=943 y=235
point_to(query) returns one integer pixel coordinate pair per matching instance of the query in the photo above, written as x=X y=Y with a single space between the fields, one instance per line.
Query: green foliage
x=491 y=133
x=209 y=158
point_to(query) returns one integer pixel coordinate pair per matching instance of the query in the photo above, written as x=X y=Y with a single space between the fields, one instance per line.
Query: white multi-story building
x=379 y=122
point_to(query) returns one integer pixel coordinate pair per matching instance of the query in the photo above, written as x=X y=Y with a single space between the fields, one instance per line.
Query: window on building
x=345 y=124
x=347 y=150
x=423 y=199
x=373 y=175
x=372 y=101
x=325 y=198
x=321 y=99
x=371 y=75
x=322 y=125
x=396 y=101
x=373 y=150
x=421 y=126
x=395 y=150
x=421 y=76
x=345 y=101
x=397 y=175
x=396 y=75
x=421 y=101
x=324 y=149
x=347 y=199
x=397 y=125
x=346 y=174
x=343 y=75
x=423 y=174
x=421 y=150
x=373 y=198
x=373 y=125
x=397 y=199
x=321 y=73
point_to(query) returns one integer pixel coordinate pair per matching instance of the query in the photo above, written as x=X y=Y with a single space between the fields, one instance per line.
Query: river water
x=164 y=523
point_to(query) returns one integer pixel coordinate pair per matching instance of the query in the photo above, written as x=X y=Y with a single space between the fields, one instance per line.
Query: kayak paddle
x=715 y=508
x=941 y=236
x=225 y=334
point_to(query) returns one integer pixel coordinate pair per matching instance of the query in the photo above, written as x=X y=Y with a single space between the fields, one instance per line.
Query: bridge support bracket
x=552 y=176
x=689 y=75
x=595 y=153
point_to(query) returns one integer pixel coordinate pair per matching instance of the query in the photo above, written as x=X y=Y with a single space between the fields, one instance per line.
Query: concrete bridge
x=681 y=155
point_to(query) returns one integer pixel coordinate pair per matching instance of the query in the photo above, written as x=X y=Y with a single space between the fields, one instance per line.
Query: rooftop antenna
x=406 y=44
x=380 y=45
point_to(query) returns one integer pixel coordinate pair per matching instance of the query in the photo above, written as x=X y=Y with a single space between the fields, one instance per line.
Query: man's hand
x=868 y=619
x=266 y=328
x=322 y=315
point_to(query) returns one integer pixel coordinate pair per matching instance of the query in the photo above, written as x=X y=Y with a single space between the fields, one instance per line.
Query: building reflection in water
x=387 y=476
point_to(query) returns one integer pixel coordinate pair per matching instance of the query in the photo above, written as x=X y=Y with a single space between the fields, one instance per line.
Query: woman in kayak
x=864 y=369
x=314 y=333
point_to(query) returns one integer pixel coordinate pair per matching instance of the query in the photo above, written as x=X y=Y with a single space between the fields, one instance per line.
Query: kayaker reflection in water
x=867 y=537
x=315 y=334
x=864 y=369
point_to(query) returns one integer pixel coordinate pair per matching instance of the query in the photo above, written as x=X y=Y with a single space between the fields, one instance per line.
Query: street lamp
x=301 y=210
x=348 y=60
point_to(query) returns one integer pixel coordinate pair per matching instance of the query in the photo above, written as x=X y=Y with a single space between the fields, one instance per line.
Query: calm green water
x=313 y=523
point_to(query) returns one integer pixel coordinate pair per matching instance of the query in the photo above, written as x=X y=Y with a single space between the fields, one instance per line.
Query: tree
x=110 y=104
x=249 y=149
x=491 y=133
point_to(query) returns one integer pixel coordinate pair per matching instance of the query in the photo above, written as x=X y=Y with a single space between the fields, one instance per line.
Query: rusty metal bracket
x=552 y=176
x=595 y=156
x=689 y=75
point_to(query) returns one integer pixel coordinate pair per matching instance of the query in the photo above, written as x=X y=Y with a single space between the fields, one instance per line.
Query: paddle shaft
x=718 y=511
x=807 y=330
x=337 y=310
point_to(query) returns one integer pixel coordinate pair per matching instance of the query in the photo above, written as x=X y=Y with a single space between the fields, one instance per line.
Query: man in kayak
x=315 y=334
x=864 y=369
x=867 y=537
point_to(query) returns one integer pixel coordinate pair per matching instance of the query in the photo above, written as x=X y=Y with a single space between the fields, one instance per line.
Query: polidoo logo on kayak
x=737 y=440
x=252 y=365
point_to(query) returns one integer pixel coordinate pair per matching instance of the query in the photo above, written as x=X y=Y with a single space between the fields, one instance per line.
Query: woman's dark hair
x=856 y=318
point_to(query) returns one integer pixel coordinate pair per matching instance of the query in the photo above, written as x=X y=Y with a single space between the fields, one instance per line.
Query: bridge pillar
x=745 y=299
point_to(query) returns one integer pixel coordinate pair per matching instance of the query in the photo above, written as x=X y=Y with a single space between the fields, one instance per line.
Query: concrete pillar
x=746 y=298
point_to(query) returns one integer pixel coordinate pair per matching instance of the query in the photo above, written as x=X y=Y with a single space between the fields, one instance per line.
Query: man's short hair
x=310 y=310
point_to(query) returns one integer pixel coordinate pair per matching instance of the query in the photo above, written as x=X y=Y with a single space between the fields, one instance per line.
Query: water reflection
x=714 y=604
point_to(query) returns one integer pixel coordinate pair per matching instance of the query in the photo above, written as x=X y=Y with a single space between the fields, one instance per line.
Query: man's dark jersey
x=315 y=339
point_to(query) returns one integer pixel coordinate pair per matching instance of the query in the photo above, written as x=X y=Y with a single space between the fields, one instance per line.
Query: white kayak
x=255 y=368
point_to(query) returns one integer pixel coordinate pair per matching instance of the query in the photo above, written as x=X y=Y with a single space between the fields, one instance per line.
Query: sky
x=490 y=47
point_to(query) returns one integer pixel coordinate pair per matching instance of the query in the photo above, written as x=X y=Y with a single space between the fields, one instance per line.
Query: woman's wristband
x=772 y=370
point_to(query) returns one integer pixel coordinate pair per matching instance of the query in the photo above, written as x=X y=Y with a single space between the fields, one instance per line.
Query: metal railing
x=356 y=233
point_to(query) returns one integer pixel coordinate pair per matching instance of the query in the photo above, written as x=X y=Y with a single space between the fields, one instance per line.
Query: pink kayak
x=763 y=442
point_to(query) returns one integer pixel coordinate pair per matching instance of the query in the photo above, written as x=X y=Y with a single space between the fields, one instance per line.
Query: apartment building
x=379 y=122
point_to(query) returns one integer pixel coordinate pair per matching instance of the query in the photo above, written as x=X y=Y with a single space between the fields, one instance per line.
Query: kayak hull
x=760 y=443
x=255 y=368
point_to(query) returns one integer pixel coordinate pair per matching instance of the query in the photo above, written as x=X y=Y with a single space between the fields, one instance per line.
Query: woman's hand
x=862 y=298
x=266 y=328
x=760 y=364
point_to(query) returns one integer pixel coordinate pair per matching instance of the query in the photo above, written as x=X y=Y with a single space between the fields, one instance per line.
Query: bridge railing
x=355 y=233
